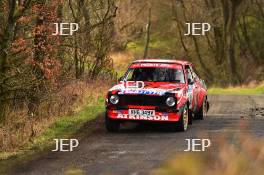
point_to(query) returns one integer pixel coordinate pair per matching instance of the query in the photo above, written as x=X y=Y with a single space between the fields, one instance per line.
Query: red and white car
x=157 y=91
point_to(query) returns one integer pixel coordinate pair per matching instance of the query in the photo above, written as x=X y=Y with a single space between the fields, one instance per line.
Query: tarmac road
x=139 y=149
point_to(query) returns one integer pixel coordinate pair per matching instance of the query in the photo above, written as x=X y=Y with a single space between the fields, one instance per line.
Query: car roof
x=182 y=62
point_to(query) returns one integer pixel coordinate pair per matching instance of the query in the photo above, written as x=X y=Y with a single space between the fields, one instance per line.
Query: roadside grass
x=66 y=126
x=238 y=90
x=63 y=127
x=21 y=146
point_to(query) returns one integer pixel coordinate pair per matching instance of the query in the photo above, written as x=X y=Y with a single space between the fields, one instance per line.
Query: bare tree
x=148 y=28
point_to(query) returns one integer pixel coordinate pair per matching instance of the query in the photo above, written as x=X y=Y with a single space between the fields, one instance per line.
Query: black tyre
x=190 y=117
x=202 y=111
x=111 y=125
x=182 y=124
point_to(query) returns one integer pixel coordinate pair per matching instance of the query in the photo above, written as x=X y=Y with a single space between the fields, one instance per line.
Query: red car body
x=159 y=91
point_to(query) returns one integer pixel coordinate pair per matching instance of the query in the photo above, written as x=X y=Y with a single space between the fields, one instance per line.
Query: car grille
x=142 y=100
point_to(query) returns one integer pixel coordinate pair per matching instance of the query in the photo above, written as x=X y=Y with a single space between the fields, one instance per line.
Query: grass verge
x=63 y=127
x=238 y=90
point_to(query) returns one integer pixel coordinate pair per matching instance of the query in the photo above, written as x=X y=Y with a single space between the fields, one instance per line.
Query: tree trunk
x=207 y=72
x=234 y=77
x=40 y=40
x=5 y=41
x=76 y=58
x=179 y=27
x=148 y=35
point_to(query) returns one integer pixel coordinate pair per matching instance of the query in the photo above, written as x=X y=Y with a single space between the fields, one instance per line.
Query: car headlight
x=170 y=101
x=114 y=99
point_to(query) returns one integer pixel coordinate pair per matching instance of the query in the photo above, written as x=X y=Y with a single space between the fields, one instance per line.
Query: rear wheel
x=202 y=111
x=182 y=124
x=111 y=125
x=190 y=117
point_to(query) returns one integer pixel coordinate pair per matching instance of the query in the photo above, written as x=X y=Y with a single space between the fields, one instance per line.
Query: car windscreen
x=155 y=74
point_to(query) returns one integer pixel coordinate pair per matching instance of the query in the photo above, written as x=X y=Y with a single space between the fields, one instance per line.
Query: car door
x=200 y=91
x=192 y=89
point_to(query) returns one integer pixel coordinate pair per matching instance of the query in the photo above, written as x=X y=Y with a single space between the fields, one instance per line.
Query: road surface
x=139 y=149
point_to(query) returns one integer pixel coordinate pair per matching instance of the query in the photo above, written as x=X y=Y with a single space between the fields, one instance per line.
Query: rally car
x=156 y=90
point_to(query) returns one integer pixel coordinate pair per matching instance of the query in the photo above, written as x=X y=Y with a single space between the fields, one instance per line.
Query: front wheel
x=182 y=124
x=111 y=125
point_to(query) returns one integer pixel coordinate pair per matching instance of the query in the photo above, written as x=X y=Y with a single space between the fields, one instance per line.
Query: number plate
x=141 y=112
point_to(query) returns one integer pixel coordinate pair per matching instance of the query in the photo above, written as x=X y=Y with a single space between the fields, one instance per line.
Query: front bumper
x=123 y=114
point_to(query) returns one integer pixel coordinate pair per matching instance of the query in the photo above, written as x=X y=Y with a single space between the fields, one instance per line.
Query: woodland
x=38 y=70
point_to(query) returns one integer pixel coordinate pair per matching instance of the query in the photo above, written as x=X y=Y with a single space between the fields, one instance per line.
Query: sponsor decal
x=143 y=91
x=160 y=65
x=143 y=117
